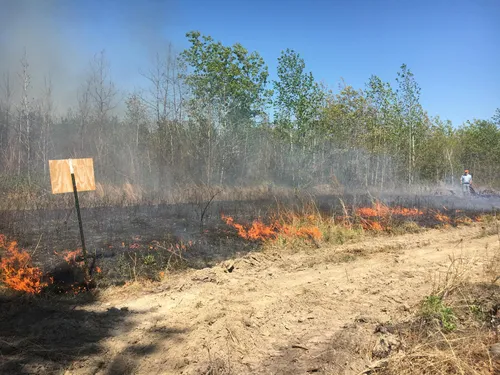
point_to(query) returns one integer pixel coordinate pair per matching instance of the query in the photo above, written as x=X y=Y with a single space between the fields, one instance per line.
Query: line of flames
x=260 y=231
x=18 y=272
x=376 y=218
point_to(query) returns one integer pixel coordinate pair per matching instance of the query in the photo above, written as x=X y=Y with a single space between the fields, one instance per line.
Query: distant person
x=466 y=180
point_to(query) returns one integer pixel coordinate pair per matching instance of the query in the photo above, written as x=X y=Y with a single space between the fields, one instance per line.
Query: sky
x=452 y=46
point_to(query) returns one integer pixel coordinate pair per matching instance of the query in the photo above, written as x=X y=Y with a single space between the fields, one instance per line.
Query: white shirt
x=466 y=179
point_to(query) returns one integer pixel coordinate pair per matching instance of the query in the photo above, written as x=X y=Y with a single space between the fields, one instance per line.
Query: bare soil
x=314 y=311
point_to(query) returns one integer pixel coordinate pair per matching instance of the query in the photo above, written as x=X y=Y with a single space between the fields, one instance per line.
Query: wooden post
x=80 y=223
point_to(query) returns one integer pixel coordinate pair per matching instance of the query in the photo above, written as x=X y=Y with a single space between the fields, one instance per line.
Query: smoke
x=61 y=37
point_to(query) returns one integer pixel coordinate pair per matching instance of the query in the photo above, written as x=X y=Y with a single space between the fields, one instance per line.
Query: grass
x=454 y=328
x=434 y=309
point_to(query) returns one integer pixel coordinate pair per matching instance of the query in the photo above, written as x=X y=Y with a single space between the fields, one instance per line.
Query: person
x=466 y=180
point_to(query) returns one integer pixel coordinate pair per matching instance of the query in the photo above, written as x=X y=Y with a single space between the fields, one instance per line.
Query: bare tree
x=24 y=129
x=5 y=119
x=165 y=99
x=46 y=114
x=101 y=97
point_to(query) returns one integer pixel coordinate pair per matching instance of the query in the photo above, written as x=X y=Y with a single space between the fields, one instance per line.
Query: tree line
x=210 y=115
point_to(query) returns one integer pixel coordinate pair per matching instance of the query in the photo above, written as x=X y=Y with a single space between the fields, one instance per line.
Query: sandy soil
x=265 y=313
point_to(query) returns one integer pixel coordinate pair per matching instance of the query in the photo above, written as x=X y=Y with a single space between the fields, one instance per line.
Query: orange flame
x=71 y=256
x=17 y=270
x=379 y=209
x=260 y=231
x=257 y=231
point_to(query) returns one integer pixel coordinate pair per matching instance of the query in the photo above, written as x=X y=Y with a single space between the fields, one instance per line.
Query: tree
x=480 y=149
x=6 y=121
x=99 y=99
x=228 y=81
x=24 y=129
x=496 y=117
x=383 y=130
x=437 y=160
x=299 y=97
x=228 y=94
x=412 y=116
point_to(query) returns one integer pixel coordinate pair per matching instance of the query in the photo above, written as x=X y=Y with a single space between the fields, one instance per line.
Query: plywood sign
x=60 y=175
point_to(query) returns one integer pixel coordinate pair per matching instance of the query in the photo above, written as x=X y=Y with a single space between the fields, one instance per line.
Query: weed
x=434 y=309
x=149 y=260
x=477 y=312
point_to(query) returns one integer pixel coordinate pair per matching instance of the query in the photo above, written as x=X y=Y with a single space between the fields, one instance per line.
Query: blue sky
x=452 y=46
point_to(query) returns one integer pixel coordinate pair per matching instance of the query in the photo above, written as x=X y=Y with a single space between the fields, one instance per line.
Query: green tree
x=412 y=116
x=496 y=117
x=479 y=142
x=229 y=82
x=299 y=98
x=437 y=160
x=384 y=131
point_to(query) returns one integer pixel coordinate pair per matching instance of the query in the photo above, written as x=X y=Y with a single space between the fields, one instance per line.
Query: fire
x=442 y=218
x=292 y=228
x=17 y=271
x=257 y=231
x=303 y=232
x=381 y=210
x=377 y=218
x=72 y=257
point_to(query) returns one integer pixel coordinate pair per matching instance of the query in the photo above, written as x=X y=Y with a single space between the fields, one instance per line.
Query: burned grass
x=137 y=243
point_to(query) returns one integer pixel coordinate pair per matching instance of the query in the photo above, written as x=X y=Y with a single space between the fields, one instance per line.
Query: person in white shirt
x=466 y=180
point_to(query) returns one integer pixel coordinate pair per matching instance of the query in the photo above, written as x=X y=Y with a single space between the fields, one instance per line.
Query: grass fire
x=222 y=202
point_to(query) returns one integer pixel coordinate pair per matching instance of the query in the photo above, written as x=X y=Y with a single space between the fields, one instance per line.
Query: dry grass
x=455 y=327
x=127 y=194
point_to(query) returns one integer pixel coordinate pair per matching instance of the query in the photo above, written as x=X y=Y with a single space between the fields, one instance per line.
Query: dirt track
x=279 y=314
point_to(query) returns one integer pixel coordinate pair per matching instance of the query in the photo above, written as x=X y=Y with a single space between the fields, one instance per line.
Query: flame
x=303 y=232
x=377 y=218
x=442 y=218
x=18 y=272
x=379 y=209
x=71 y=256
x=258 y=231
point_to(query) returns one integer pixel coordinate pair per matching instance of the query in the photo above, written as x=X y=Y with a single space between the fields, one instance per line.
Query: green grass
x=434 y=309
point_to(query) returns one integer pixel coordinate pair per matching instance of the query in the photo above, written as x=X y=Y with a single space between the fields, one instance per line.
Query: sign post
x=73 y=175
x=77 y=205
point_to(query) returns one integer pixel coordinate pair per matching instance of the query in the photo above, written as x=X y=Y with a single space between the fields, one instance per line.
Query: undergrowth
x=456 y=326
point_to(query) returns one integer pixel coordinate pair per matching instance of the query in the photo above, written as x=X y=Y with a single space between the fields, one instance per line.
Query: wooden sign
x=60 y=175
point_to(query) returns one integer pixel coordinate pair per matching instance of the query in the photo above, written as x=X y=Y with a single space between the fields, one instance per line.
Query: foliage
x=228 y=80
x=205 y=116
x=433 y=308
x=299 y=97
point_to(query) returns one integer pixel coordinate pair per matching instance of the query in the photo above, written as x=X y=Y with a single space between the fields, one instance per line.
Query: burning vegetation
x=377 y=218
x=17 y=271
x=151 y=258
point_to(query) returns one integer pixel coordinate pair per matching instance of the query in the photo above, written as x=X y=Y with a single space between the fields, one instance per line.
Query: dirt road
x=294 y=313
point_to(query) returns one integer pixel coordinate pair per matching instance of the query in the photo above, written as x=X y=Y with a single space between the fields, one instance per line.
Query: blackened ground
x=136 y=241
